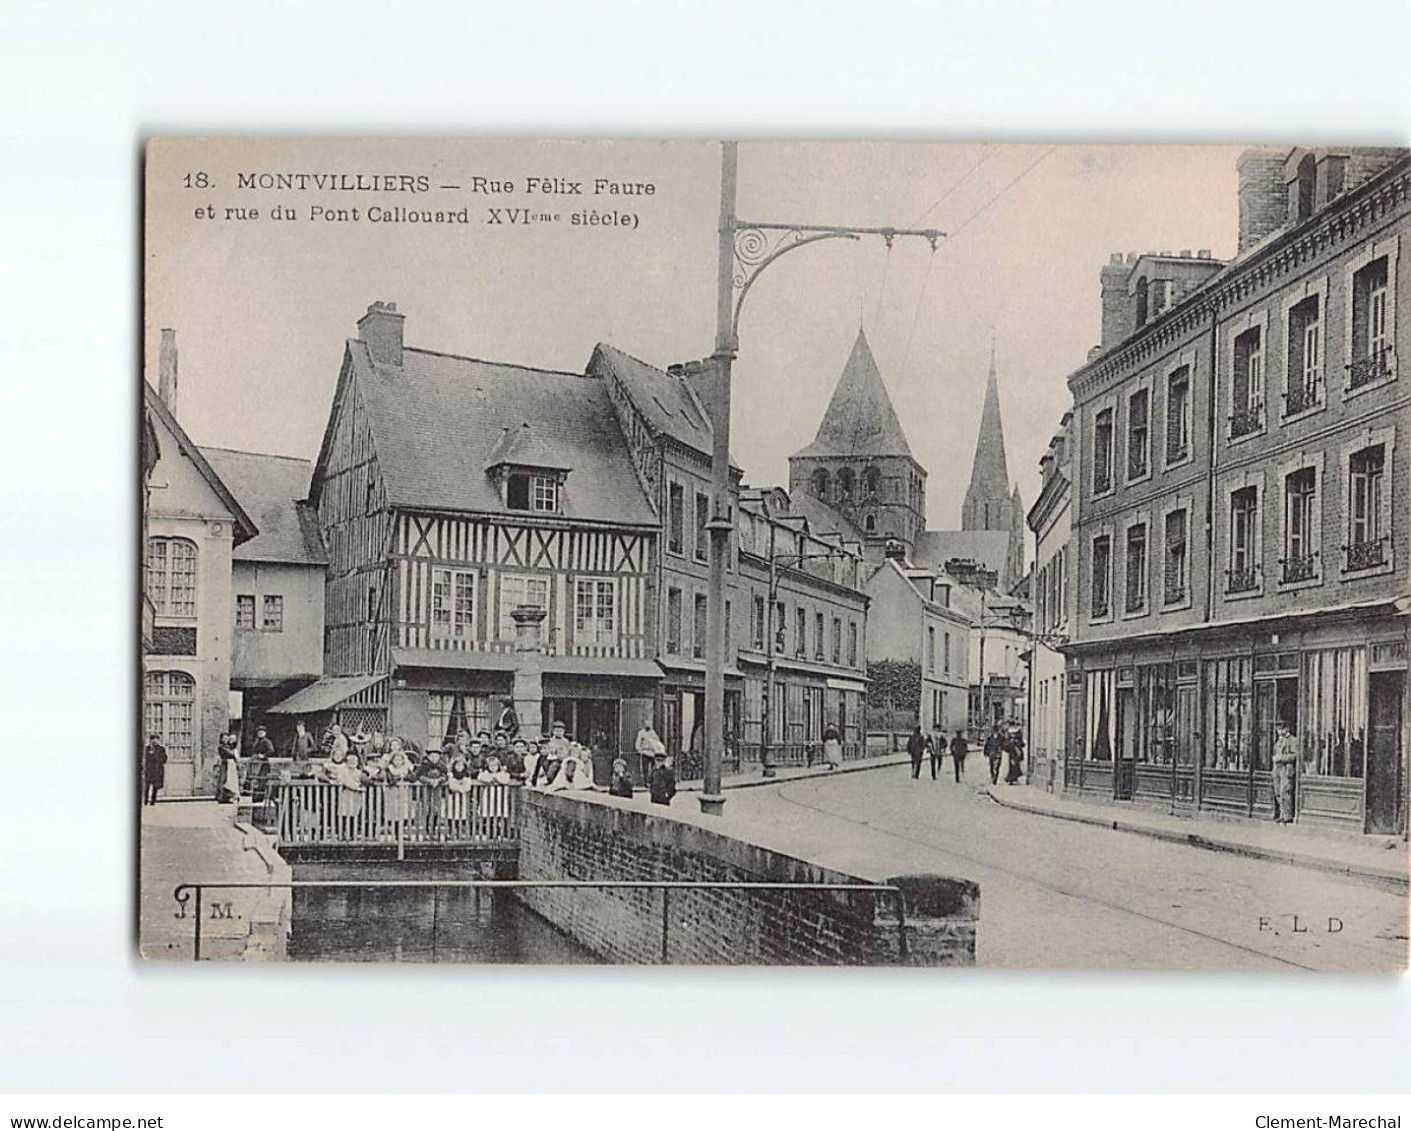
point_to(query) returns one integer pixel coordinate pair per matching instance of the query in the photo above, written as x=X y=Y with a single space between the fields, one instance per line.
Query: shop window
x=1334 y=716
x=1304 y=376
x=1229 y=713
x=1178 y=415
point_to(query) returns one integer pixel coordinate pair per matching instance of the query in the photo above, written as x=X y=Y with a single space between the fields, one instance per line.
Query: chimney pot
x=381 y=329
x=1203 y=253
x=166 y=369
x=1185 y=253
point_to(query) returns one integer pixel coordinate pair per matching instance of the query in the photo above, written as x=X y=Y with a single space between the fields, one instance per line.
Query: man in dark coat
x=663 y=782
x=154 y=769
x=994 y=753
x=257 y=772
x=916 y=747
x=958 y=749
x=935 y=750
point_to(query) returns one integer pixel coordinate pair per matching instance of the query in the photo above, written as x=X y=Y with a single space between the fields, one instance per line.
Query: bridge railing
x=414 y=813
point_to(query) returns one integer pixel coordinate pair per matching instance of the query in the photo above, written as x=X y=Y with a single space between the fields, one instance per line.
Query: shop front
x=681 y=720
x=1192 y=725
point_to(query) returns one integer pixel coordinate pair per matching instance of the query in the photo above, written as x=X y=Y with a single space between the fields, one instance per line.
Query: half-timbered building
x=452 y=491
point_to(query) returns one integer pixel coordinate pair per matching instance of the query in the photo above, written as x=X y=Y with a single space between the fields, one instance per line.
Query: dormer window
x=525 y=491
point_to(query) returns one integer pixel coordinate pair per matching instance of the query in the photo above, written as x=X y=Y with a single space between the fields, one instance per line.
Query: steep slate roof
x=437 y=418
x=860 y=419
x=270 y=489
x=989 y=475
x=661 y=397
x=823 y=519
x=524 y=447
x=245 y=528
x=988 y=548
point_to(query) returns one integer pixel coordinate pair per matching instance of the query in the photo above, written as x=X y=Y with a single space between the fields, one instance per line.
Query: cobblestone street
x=1060 y=895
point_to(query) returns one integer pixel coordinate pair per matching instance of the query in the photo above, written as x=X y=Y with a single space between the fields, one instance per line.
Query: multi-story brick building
x=1240 y=532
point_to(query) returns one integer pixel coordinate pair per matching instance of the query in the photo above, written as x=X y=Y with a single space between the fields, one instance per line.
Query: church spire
x=988 y=500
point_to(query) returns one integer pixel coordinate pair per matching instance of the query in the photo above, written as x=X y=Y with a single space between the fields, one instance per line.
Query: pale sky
x=262 y=308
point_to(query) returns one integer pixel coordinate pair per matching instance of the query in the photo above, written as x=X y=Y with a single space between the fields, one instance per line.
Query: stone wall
x=601 y=838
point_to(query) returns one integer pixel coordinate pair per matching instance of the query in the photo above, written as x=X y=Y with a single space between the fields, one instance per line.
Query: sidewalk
x=1380 y=859
x=748 y=779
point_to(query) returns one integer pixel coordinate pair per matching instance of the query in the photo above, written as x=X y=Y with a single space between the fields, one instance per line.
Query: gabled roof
x=245 y=527
x=271 y=488
x=860 y=419
x=989 y=474
x=436 y=418
x=823 y=519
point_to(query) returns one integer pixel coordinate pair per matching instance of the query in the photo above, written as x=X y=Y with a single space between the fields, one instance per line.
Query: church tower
x=991 y=502
x=860 y=464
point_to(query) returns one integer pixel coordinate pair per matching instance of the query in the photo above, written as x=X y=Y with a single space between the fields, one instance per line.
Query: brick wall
x=601 y=838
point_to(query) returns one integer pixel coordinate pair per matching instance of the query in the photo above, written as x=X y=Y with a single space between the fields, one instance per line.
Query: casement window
x=1242 y=574
x=1304 y=377
x=169 y=712
x=852 y=644
x=1101 y=605
x=1178 y=415
x=1368 y=515
x=702 y=543
x=171 y=576
x=595 y=611
x=945 y=652
x=676 y=518
x=453 y=603
x=1136 y=568
x=800 y=632
x=757 y=630
x=245 y=611
x=1247 y=391
x=1102 y=452
x=729 y=618
x=700 y=625
x=930 y=648
x=532 y=493
x=818 y=647
x=272 y=613
x=1138 y=432
x=837 y=640
x=1371 y=325
x=517 y=590
x=1176 y=570
x=673 y=622
x=1299 y=562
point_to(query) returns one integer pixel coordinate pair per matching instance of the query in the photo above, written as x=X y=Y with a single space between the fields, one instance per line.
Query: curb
x=1393 y=880
x=847 y=768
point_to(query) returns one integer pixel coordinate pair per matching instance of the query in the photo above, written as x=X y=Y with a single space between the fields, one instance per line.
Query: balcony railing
x=1242 y=580
x=1372 y=367
x=1301 y=567
x=1243 y=421
x=1303 y=397
x=1366 y=555
x=1176 y=452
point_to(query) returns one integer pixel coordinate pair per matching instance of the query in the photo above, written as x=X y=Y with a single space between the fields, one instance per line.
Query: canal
x=375 y=924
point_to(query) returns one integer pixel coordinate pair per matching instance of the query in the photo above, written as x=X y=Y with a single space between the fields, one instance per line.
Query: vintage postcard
x=777 y=553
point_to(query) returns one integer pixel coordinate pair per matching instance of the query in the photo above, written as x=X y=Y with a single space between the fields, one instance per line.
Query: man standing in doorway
x=916 y=747
x=1285 y=769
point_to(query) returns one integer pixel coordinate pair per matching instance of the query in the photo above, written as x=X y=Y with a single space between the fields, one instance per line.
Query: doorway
x=1384 y=754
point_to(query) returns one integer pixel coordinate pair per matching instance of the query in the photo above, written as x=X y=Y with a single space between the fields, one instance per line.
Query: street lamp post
x=744 y=250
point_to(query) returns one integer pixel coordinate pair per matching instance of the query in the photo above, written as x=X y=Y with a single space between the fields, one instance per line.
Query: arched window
x=1142 y=306
x=1303 y=195
x=845 y=485
x=871 y=482
x=169 y=710
x=820 y=483
x=870 y=524
x=171 y=576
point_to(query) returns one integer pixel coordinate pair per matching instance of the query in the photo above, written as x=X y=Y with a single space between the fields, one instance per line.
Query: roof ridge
x=247 y=452
x=501 y=364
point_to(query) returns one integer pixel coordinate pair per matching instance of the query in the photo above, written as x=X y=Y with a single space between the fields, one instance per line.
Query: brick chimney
x=1263 y=195
x=381 y=329
x=1119 y=316
x=166 y=370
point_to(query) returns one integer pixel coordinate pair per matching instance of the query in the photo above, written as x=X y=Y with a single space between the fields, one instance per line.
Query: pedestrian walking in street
x=916 y=748
x=935 y=751
x=994 y=754
x=832 y=747
x=1014 y=749
x=1285 y=772
x=154 y=769
x=958 y=749
x=663 y=781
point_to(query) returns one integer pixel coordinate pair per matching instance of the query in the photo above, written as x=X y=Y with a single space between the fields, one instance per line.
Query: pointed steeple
x=989 y=474
x=860 y=420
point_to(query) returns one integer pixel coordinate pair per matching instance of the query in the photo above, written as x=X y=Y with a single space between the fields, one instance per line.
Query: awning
x=601 y=665
x=324 y=695
x=846 y=685
x=455 y=659
x=692 y=667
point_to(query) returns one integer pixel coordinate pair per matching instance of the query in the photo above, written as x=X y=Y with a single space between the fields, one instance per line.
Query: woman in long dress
x=494 y=799
x=351 y=796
